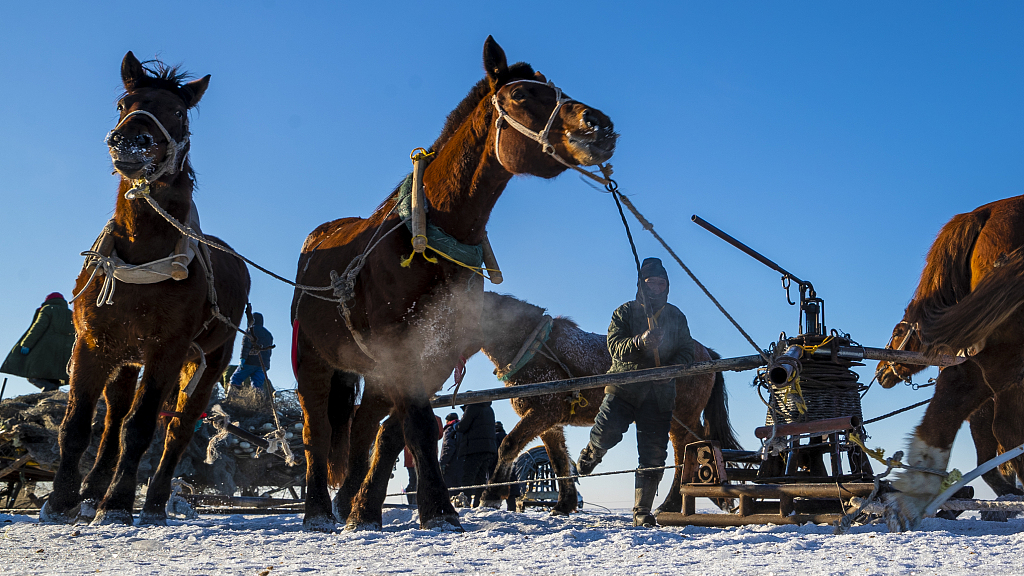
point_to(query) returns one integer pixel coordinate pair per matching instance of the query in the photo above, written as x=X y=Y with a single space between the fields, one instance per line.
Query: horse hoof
x=557 y=512
x=152 y=519
x=904 y=512
x=86 y=511
x=323 y=523
x=491 y=503
x=109 y=517
x=445 y=523
x=353 y=526
x=47 y=516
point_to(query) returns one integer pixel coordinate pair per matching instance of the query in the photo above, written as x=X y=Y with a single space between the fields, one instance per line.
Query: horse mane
x=164 y=77
x=946 y=278
x=517 y=71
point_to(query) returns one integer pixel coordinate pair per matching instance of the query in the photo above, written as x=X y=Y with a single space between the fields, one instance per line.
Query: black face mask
x=654 y=301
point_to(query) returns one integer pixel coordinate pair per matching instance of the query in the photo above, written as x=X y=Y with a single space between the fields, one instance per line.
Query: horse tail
x=340 y=406
x=970 y=322
x=716 y=413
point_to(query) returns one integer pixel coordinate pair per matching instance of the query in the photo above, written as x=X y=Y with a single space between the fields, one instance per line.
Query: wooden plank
x=847 y=490
x=15 y=465
x=726 y=520
x=737 y=364
x=599 y=381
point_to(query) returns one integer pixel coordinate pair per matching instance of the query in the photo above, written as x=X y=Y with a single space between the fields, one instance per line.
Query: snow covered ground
x=500 y=542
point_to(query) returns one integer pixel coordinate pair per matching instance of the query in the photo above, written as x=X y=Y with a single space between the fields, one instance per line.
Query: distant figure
x=477 y=447
x=451 y=463
x=255 y=358
x=410 y=468
x=43 y=352
x=499 y=433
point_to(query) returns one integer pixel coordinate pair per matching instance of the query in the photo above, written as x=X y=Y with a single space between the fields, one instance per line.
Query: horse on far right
x=969 y=301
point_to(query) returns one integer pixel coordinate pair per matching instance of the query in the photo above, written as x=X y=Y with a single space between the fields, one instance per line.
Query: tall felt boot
x=590 y=457
x=646 y=490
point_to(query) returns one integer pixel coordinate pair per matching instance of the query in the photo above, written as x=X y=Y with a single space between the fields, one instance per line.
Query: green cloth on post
x=437 y=238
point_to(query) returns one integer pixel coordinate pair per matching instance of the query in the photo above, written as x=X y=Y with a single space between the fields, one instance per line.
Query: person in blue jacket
x=256 y=348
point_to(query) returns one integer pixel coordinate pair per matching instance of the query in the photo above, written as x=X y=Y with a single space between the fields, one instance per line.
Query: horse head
x=151 y=136
x=905 y=336
x=539 y=130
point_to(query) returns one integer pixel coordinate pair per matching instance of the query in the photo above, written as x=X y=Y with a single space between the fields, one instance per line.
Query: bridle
x=170 y=163
x=911 y=330
x=538 y=137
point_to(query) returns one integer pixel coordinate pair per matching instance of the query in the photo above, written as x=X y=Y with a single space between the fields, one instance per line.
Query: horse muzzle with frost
x=573 y=133
x=592 y=141
x=137 y=154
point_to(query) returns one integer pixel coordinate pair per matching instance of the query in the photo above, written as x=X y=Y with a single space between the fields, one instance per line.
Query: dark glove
x=650 y=339
x=25 y=350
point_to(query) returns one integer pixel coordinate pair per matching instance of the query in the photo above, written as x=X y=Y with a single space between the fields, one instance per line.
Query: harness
x=889 y=366
x=103 y=260
x=542 y=136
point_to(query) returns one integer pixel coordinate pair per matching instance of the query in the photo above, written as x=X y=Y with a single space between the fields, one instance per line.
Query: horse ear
x=194 y=90
x=131 y=71
x=494 y=60
x=540 y=77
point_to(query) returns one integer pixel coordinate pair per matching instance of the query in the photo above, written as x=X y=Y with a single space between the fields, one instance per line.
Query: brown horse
x=166 y=328
x=969 y=300
x=403 y=328
x=507 y=326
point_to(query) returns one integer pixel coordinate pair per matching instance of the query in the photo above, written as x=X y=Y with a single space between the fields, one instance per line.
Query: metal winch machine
x=811 y=463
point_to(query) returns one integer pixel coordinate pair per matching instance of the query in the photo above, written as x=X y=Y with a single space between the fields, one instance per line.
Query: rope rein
x=555 y=478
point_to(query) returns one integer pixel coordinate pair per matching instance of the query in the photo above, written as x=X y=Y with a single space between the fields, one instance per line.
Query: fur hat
x=53 y=295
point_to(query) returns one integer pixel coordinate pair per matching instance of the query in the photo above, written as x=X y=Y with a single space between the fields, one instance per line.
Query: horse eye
x=120 y=107
x=178 y=113
x=518 y=95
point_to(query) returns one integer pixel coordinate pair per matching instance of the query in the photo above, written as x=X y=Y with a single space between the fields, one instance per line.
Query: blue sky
x=836 y=138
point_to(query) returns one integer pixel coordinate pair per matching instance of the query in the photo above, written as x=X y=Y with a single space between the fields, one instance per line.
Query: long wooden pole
x=737 y=364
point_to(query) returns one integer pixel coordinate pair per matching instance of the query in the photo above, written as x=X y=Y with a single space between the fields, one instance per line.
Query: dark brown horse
x=968 y=301
x=165 y=328
x=402 y=328
x=507 y=325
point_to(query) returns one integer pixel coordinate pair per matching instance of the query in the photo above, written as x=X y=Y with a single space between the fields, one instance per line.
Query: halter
x=911 y=329
x=169 y=165
x=539 y=137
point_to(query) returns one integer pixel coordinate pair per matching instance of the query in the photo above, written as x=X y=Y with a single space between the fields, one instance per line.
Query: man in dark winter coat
x=638 y=329
x=450 y=460
x=255 y=355
x=42 y=353
x=477 y=446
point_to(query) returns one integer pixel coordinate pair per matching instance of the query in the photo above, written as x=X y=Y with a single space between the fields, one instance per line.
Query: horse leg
x=179 y=435
x=314 y=389
x=88 y=375
x=674 y=499
x=159 y=377
x=958 y=392
x=558 y=454
x=987 y=447
x=435 y=508
x=365 y=425
x=118 y=395
x=532 y=424
x=368 y=504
